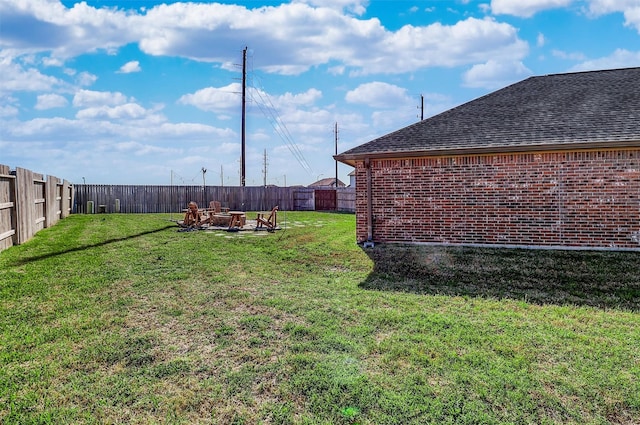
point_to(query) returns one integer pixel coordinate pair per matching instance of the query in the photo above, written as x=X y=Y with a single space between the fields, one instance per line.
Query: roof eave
x=351 y=159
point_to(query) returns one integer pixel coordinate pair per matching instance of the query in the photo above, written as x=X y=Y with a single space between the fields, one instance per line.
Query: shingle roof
x=552 y=111
x=331 y=181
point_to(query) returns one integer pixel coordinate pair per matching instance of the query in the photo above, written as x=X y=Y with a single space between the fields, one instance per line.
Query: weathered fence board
x=29 y=203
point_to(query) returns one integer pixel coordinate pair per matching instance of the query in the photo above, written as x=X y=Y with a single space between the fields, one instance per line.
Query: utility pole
x=336 y=140
x=264 y=169
x=244 y=98
x=421 y=107
x=204 y=182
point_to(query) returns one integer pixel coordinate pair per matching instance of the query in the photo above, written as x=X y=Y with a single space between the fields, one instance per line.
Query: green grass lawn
x=122 y=319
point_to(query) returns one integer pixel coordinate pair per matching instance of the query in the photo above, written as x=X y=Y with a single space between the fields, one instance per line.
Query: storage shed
x=551 y=161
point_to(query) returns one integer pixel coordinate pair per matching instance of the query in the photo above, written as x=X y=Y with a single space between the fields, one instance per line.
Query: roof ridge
x=586 y=71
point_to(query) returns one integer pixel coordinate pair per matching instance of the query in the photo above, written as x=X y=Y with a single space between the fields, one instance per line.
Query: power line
x=263 y=101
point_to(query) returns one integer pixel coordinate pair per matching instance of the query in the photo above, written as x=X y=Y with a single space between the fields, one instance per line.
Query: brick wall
x=578 y=199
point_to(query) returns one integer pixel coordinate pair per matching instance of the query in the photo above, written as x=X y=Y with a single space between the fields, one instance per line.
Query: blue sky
x=144 y=92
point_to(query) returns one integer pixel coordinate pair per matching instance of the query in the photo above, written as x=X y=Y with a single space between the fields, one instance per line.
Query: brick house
x=551 y=161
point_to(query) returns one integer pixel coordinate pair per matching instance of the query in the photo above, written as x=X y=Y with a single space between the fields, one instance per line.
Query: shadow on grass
x=25 y=260
x=604 y=279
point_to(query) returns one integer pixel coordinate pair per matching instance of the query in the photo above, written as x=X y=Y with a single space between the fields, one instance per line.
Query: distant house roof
x=329 y=182
x=559 y=111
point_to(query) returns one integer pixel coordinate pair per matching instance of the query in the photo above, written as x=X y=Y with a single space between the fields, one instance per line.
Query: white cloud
x=189 y=131
x=142 y=149
x=378 y=95
x=8 y=111
x=129 y=67
x=89 y=98
x=471 y=40
x=387 y=119
x=289 y=100
x=629 y=8
x=63 y=130
x=225 y=99
x=315 y=125
x=214 y=99
x=49 y=101
x=526 y=8
x=392 y=105
x=540 y=40
x=42 y=25
x=126 y=111
x=574 y=56
x=52 y=62
x=296 y=36
x=620 y=58
x=46 y=128
x=494 y=75
x=632 y=17
x=337 y=70
x=86 y=79
x=17 y=78
x=358 y=7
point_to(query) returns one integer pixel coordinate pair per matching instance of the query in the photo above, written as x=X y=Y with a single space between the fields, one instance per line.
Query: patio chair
x=269 y=222
x=214 y=207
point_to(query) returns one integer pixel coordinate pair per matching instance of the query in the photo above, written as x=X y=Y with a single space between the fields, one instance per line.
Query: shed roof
x=550 y=112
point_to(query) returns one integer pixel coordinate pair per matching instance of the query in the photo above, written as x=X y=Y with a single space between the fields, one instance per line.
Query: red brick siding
x=582 y=199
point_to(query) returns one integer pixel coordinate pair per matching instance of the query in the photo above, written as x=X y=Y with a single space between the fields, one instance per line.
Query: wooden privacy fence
x=29 y=203
x=322 y=199
x=94 y=198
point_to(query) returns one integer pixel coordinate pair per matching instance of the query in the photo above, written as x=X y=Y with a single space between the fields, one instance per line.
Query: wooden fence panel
x=40 y=200
x=29 y=203
x=52 y=205
x=304 y=199
x=25 y=205
x=8 y=235
x=66 y=198
x=346 y=199
x=172 y=199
